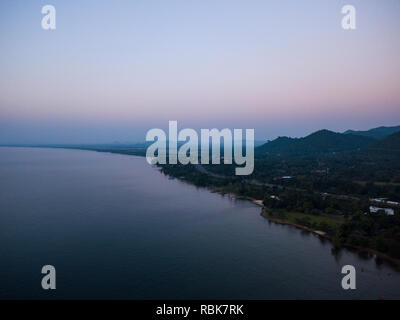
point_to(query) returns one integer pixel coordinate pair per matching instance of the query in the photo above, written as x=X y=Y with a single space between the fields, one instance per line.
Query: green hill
x=376 y=133
x=323 y=141
x=390 y=144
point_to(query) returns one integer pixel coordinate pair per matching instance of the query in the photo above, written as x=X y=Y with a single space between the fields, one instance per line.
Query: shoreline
x=375 y=254
x=321 y=234
x=324 y=235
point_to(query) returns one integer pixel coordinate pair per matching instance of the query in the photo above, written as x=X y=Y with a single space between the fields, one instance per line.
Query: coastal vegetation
x=324 y=182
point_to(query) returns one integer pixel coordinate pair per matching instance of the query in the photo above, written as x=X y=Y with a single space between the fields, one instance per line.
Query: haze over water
x=115 y=227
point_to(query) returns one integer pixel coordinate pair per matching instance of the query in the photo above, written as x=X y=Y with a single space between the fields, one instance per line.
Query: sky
x=112 y=70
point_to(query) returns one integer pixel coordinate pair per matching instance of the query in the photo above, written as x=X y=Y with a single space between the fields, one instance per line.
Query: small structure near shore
x=388 y=211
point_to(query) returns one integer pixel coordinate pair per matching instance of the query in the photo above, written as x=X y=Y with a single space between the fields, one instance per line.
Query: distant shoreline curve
x=254 y=201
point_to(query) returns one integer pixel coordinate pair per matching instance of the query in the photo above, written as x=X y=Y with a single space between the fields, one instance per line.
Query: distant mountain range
x=325 y=141
x=376 y=133
x=388 y=144
x=382 y=140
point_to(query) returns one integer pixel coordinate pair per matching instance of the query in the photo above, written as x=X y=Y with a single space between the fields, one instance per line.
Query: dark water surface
x=115 y=227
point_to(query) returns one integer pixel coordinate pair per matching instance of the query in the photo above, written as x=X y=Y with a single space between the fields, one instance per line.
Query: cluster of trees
x=360 y=227
x=372 y=230
x=324 y=162
x=232 y=184
x=376 y=231
x=313 y=203
x=366 y=174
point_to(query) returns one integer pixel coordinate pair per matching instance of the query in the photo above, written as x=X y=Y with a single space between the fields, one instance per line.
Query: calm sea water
x=115 y=227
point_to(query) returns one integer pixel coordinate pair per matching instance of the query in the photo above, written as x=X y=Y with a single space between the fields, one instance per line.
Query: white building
x=385 y=200
x=388 y=211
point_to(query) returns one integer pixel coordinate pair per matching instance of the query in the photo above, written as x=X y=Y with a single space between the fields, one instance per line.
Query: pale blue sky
x=114 y=69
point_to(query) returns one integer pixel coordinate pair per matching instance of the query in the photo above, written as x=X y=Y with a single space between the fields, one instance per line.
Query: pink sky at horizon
x=282 y=68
